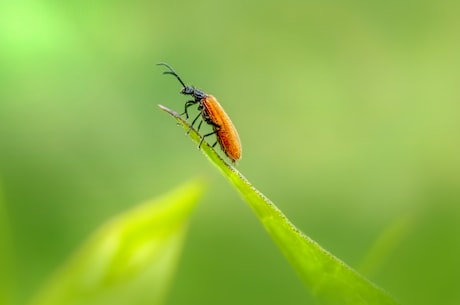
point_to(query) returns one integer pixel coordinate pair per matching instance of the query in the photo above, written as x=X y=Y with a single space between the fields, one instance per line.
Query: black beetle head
x=188 y=90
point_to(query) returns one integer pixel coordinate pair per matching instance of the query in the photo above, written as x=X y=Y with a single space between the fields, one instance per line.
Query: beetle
x=213 y=114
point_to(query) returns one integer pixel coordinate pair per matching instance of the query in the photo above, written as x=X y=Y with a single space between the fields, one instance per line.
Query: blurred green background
x=348 y=111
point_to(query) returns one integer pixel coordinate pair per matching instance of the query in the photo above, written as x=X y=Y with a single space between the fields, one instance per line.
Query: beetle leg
x=187 y=104
x=193 y=122
x=199 y=125
x=206 y=135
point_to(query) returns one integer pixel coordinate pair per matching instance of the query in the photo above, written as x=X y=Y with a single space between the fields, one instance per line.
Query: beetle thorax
x=197 y=94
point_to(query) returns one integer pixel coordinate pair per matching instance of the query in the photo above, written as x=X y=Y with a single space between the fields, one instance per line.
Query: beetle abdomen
x=226 y=133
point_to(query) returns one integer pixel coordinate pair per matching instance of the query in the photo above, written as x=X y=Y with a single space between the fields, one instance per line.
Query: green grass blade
x=129 y=260
x=328 y=278
x=385 y=244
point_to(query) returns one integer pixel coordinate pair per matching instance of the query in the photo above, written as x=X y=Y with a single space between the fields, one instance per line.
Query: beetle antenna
x=172 y=72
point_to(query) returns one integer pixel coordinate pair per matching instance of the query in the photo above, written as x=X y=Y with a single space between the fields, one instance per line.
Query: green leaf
x=327 y=277
x=129 y=260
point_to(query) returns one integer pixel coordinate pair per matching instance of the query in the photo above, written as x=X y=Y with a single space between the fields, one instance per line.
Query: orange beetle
x=213 y=114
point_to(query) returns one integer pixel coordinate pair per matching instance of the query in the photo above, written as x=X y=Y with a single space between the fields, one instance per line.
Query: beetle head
x=188 y=90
